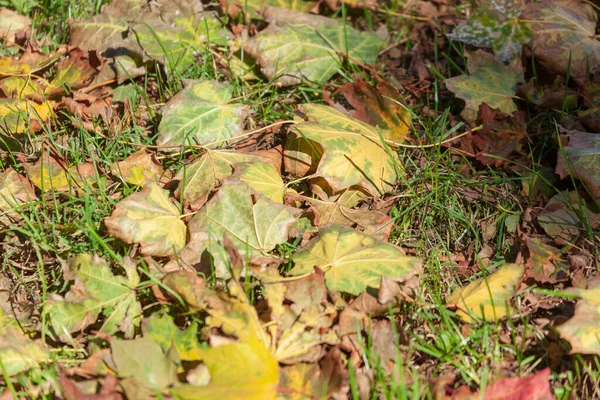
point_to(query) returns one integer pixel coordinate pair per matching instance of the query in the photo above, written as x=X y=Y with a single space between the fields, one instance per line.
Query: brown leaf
x=139 y=168
x=544 y=263
x=581 y=159
x=108 y=390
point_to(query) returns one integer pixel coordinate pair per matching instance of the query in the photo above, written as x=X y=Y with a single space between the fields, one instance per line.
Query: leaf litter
x=268 y=265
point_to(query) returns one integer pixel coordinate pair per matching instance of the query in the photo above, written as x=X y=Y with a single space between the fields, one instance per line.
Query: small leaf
x=559 y=218
x=582 y=331
x=74 y=72
x=251 y=8
x=249 y=364
x=581 y=159
x=545 y=263
x=487 y=298
x=150 y=219
x=299 y=52
x=201 y=114
x=490 y=82
x=139 y=168
x=51 y=173
x=348 y=152
x=353 y=261
x=143 y=360
x=15 y=190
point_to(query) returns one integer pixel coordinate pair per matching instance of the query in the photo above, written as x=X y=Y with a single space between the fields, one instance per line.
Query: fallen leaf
x=353 y=261
x=255 y=226
x=109 y=390
x=378 y=106
x=144 y=360
x=263 y=178
x=201 y=115
x=74 y=72
x=139 y=168
x=15 y=190
x=51 y=173
x=490 y=82
x=18 y=115
x=487 y=298
x=581 y=159
x=582 y=330
x=251 y=8
x=11 y=24
x=96 y=291
x=150 y=219
x=162 y=329
x=348 y=152
x=301 y=52
x=496 y=26
x=559 y=218
x=18 y=353
x=530 y=387
x=249 y=364
x=544 y=262
x=176 y=43
x=563 y=36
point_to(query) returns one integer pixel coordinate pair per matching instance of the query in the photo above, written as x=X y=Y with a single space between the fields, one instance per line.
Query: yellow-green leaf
x=163 y=330
x=139 y=168
x=488 y=298
x=17 y=115
x=150 y=219
x=12 y=23
x=490 y=82
x=14 y=191
x=238 y=371
x=17 y=352
x=263 y=178
x=352 y=151
x=582 y=330
x=201 y=114
x=353 y=261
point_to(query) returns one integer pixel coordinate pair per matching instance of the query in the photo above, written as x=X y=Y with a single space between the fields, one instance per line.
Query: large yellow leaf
x=353 y=261
x=238 y=371
x=150 y=219
x=353 y=153
x=487 y=298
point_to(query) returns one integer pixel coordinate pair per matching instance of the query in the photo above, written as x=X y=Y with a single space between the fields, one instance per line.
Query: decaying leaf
x=12 y=24
x=379 y=106
x=308 y=51
x=496 y=26
x=487 y=298
x=343 y=151
x=247 y=363
x=582 y=331
x=251 y=8
x=18 y=353
x=490 y=82
x=74 y=72
x=162 y=329
x=201 y=115
x=150 y=219
x=255 y=225
x=544 y=263
x=96 y=291
x=534 y=387
x=201 y=177
x=139 y=168
x=560 y=218
x=18 y=115
x=353 y=261
x=177 y=43
x=51 y=173
x=564 y=36
x=581 y=159
x=15 y=190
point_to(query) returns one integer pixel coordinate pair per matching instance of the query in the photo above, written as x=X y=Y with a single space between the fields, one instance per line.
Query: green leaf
x=96 y=290
x=353 y=261
x=294 y=53
x=161 y=328
x=255 y=227
x=251 y=8
x=490 y=82
x=177 y=44
x=263 y=178
x=144 y=360
x=487 y=298
x=582 y=330
x=497 y=27
x=348 y=152
x=150 y=219
x=238 y=371
x=581 y=159
x=200 y=114
x=564 y=36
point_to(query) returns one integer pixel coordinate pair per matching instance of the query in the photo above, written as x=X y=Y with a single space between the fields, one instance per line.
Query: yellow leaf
x=263 y=178
x=487 y=298
x=17 y=115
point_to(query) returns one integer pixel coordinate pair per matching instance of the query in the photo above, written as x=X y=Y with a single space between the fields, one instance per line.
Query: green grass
x=435 y=216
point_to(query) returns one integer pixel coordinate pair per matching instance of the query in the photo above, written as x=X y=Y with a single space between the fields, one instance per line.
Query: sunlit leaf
x=139 y=168
x=12 y=23
x=201 y=114
x=263 y=178
x=487 y=298
x=150 y=219
x=353 y=261
x=582 y=330
x=17 y=115
x=17 y=352
x=251 y=7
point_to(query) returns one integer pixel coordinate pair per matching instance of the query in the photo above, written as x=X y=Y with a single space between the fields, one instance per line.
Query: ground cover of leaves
x=299 y=200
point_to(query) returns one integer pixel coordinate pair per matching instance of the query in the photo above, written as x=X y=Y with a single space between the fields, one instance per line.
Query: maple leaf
x=162 y=329
x=544 y=263
x=582 y=330
x=490 y=82
x=487 y=298
x=151 y=219
x=139 y=168
x=51 y=173
x=309 y=51
x=559 y=218
x=263 y=178
x=581 y=159
x=498 y=27
x=564 y=36
x=532 y=387
x=345 y=151
x=201 y=114
x=18 y=115
x=353 y=261
x=15 y=190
